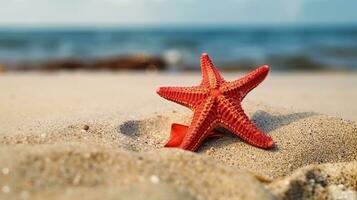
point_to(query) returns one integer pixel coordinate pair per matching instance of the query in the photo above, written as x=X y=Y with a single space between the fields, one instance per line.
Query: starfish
x=215 y=103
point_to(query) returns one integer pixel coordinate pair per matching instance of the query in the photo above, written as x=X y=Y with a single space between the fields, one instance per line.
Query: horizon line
x=193 y=26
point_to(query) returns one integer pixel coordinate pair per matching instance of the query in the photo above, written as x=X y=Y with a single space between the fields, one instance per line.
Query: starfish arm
x=241 y=87
x=234 y=119
x=203 y=122
x=186 y=96
x=178 y=132
x=210 y=75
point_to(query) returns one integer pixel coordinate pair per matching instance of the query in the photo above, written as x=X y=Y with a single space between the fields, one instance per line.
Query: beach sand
x=101 y=135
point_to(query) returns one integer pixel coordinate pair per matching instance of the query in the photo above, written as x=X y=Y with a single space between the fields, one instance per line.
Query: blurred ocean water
x=282 y=48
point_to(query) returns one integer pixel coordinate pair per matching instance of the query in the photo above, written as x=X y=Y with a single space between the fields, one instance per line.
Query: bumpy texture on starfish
x=215 y=103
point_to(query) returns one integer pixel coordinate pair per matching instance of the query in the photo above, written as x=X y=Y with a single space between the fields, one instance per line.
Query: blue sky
x=175 y=12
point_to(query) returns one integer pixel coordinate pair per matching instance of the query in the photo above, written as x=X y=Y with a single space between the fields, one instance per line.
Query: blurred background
x=171 y=34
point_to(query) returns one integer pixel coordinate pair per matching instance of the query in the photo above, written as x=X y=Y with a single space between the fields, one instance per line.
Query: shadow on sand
x=264 y=121
x=268 y=122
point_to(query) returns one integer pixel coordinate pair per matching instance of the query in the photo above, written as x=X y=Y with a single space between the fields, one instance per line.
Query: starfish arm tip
x=265 y=66
x=271 y=144
x=161 y=91
x=158 y=90
x=265 y=70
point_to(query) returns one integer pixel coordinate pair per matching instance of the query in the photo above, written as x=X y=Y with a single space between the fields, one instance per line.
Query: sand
x=100 y=136
x=327 y=181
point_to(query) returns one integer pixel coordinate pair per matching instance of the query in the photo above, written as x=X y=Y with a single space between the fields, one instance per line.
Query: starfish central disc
x=219 y=106
x=215 y=93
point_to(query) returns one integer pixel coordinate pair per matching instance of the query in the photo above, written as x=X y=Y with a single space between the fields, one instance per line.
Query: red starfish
x=216 y=103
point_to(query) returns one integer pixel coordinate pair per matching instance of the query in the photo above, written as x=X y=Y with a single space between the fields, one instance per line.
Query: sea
x=283 y=48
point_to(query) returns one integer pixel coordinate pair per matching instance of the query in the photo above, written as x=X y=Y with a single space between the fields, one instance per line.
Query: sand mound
x=305 y=137
x=327 y=181
x=49 y=170
x=302 y=138
x=68 y=158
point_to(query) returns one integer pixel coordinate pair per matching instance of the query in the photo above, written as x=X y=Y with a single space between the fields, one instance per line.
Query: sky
x=175 y=12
